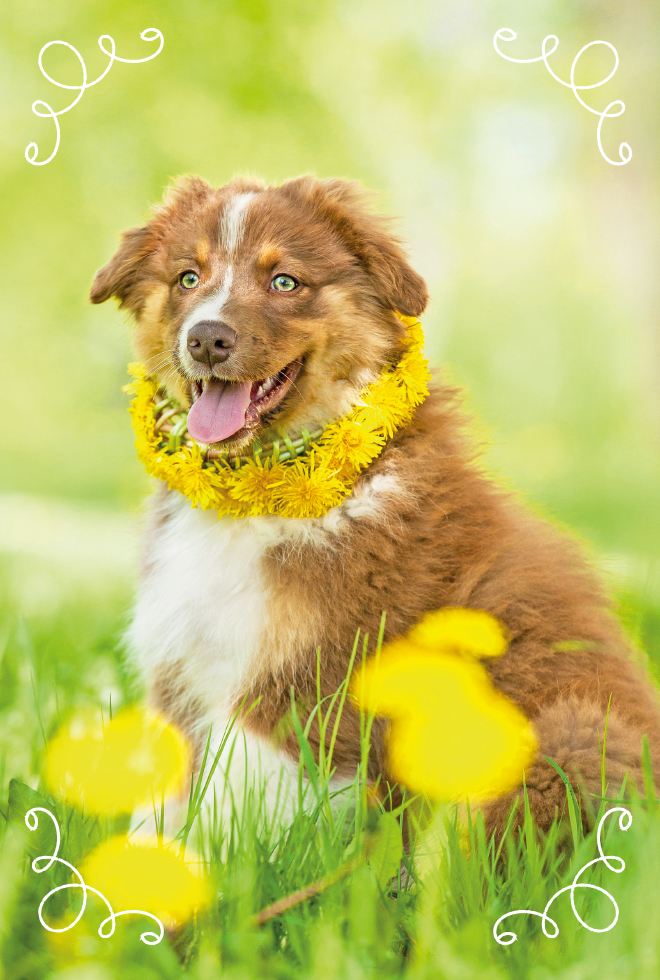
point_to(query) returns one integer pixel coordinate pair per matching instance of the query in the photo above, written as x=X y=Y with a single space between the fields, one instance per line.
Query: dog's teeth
x=269 y=384
x=260 y=391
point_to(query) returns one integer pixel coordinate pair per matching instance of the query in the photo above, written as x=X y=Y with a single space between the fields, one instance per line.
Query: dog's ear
x=122 y=273
x=127 y=270
x=348 y=207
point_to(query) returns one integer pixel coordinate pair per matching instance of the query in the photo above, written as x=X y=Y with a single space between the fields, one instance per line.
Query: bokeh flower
x=453 y=628
x=114 y=767
x=452 y=733
x=141 y=874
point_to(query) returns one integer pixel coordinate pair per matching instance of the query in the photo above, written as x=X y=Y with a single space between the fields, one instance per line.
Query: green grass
x=364 y=921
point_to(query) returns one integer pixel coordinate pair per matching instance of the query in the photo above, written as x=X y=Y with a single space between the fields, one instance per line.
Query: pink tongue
x=219 y=411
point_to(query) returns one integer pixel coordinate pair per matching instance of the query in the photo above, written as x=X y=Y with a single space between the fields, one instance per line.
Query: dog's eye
x=189 y=280
x=284 y=284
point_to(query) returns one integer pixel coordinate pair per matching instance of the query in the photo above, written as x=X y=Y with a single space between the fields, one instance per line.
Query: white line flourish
x=32 y=151
x=625 y=152
x=32 y=822
x=625 y=820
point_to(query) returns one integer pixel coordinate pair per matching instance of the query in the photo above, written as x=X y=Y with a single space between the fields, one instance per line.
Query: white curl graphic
x=625 y=820
x=32 y=151
x=625 y=152
x=32 y=822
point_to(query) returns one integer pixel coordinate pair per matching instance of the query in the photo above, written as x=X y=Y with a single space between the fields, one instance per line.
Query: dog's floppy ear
x=346 y=205
x=402 y=288
x=122 y=273
x=126 y=271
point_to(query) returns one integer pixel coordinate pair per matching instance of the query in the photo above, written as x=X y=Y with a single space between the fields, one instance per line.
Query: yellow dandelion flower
x=414 y=334
x=166 y=468
x=137 y=370
x=220 y=477
x=413 y=376
x=409 y=321
x=117 y=766
x=141 y=874
x=308 y=491
x=191 y=478
x=138 y=373
x=254 y=482
x=452 y=733
x=471 y=631
x=385 y=408
x=352 y=446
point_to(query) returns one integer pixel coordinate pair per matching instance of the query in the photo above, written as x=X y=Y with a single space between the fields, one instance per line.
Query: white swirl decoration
x=32 y=822
x=625 y=152
x=32 y=151
x=625 y=820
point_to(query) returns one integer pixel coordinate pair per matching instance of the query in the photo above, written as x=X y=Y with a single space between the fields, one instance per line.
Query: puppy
x=285 y=298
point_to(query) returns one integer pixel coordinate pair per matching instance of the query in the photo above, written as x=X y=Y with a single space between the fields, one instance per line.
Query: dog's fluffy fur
x=234 y=607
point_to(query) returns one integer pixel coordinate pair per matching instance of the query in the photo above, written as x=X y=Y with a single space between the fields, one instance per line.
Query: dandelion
x=352 y=446
x=414 y=334
x=452 y=733
x=387 y=409
x=191 y=478
x=413 y=376
x=308 y=490
x=141 y=874
x=132 y=759
x=254 y=482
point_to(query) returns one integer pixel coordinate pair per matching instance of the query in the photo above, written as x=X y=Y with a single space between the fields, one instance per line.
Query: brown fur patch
x=269 y=256
x=169 y=693
x=203 y=250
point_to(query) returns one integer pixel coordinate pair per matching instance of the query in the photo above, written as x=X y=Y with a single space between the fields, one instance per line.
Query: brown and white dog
x=275 y=306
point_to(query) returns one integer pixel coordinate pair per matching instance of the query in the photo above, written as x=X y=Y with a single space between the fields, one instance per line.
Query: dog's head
x=263 y=305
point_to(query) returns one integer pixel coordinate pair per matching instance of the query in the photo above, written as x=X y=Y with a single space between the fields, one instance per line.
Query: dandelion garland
x=292 y=486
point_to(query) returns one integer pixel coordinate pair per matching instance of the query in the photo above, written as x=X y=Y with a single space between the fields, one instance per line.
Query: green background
x=540 y=256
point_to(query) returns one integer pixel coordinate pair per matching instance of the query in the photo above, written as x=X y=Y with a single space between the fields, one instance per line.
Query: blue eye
x=189 y=280
x=284 y=284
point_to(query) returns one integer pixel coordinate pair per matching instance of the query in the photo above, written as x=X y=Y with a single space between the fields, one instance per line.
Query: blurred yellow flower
x=452 y=733
x=140 y=874
x=118 y=766
x=453 y=628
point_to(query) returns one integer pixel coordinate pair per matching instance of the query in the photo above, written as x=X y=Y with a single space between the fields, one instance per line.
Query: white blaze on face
x=232 y=228
x=232 y=221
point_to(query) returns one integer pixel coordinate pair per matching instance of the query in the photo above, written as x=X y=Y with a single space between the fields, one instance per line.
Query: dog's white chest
x=201 y=604
x=202 y=609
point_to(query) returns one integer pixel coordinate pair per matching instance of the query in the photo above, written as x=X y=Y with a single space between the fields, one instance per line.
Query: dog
x=285 y=299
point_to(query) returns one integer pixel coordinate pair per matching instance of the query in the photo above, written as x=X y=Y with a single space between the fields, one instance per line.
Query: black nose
x=211 y=341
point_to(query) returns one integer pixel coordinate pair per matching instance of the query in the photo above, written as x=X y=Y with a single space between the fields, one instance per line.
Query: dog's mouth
x=223 y=408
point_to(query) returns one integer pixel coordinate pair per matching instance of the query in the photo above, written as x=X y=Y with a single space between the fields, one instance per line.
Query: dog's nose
x=211 y=341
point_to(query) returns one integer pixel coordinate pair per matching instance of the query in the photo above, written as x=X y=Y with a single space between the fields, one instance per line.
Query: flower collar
x=303 y=477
